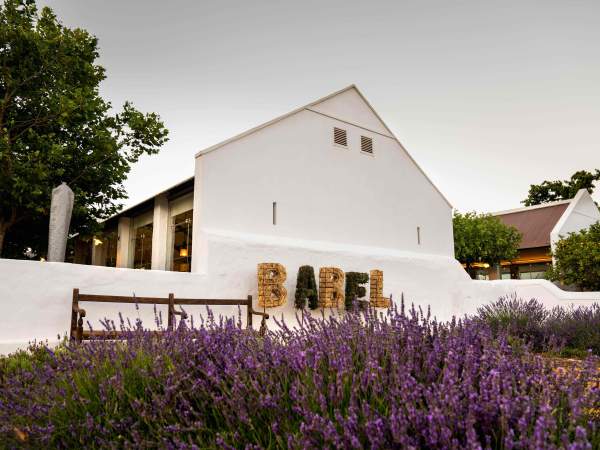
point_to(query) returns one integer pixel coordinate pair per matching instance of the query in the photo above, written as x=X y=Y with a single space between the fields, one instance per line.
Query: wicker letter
x=377 y=298
x=355 y=288
x=271 y=292
x=331 y=287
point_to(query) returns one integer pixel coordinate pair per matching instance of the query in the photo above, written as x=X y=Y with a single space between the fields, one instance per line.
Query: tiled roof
x=534 y=223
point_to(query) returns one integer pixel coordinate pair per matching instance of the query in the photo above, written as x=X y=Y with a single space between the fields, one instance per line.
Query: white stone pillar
x=160 y=232
x=61 y=207
x=124 y=244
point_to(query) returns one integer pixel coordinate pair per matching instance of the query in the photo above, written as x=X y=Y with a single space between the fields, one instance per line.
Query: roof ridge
x=274 y=120
x=530 y=208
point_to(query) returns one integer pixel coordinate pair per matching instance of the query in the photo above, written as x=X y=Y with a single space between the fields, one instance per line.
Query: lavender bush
x=355 y=381
x=569 y=331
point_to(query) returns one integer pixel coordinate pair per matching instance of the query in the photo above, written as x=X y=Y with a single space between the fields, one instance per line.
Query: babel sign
x=272 y=293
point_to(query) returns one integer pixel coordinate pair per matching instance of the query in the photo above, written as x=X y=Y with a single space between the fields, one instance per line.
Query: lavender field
x=353 y=381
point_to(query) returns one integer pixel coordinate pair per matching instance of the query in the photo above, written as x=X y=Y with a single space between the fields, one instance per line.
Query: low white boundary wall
x=35 y=297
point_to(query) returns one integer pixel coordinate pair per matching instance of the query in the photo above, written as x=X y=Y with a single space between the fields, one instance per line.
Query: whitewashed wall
x=323 y=192
x=35 y=297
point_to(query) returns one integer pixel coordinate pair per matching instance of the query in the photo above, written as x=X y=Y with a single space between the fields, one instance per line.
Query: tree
x=483 y=238
x=55 y=127
x=550 y=191
x=577 y=259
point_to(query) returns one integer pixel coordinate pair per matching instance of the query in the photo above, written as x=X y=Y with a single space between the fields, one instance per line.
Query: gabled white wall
x=581 y=213
x=323 y=192
x=351 y=107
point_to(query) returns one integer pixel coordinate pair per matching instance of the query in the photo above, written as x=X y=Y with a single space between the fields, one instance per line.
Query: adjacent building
x=328 y=173
x=542 y=226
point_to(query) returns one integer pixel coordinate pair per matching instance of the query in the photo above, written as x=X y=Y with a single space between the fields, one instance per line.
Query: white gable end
x=351 y=107
x=587 y=207
x=581 y=213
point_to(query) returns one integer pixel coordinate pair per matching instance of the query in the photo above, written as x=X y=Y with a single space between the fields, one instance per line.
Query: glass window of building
x=182 y=242
x=525 y=271
x=482 y=274
x=533 y=271
x=142 y=258
x=110 y=241
x=505 y=273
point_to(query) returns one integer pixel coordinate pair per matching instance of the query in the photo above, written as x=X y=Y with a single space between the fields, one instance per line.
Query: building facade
x=328 y=173
x=541 y=227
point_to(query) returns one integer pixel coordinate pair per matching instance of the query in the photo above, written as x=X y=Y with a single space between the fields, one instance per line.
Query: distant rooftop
x=534 y=222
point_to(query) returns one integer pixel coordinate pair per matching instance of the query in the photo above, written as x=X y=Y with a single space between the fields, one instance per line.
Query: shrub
x=570 y=331
x=36 y=355
x=575 y=330
x=306 y=288
x=354 y=287
x=517 y=318
x=577 y=259
x=357 y=381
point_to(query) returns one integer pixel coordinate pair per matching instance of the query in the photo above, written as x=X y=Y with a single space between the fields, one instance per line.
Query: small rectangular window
x=419 y=235
x=366 y=144
x=274 y=213
x=340 y=137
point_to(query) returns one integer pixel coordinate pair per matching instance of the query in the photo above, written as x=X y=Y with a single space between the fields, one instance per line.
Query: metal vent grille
x=340 y=137
x=366 y=144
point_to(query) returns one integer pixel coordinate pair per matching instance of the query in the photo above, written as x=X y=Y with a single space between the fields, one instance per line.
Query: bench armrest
x=258 y=313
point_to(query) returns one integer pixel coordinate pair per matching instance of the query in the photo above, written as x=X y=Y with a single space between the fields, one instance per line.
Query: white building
x=326 y=185
x=328 y=175
x=541 y=227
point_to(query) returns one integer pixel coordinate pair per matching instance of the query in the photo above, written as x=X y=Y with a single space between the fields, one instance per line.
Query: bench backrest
x=78 y=313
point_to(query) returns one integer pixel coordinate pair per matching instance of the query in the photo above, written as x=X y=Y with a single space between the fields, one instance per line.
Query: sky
x=487 y=97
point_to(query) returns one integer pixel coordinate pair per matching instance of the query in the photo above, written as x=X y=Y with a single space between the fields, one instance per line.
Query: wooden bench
x=78 y=334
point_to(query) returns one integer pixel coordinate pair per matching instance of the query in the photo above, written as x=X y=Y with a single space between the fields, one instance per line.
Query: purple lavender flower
x=360 y=380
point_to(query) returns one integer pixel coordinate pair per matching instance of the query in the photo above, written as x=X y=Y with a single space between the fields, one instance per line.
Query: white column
x=199 y=250
x=124 y=245
x=160 y=232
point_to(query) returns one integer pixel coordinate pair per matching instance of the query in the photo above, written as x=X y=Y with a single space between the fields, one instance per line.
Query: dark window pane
x=143 y=247
x=182 y=242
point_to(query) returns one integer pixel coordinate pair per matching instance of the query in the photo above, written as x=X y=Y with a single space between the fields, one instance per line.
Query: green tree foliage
x=577 y=259
x=483 y=238
x=306 y=288
x=55 y=127
x=354 y=287
x=550 y=191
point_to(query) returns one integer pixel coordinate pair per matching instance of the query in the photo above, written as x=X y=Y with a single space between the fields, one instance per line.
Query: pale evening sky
x=487 y=97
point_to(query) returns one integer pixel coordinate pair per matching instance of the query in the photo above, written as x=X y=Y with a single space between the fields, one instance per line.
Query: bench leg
x=171 y=313
x=74 y=309
x=249 y=309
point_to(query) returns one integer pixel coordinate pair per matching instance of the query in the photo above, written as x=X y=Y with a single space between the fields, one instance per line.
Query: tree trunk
x=2 y=234
x=5 y=226
x=470 y=270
